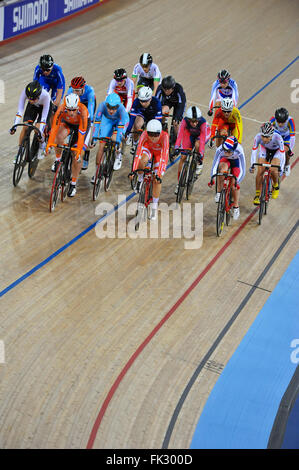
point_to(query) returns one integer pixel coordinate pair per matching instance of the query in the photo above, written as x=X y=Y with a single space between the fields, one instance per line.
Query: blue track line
x=88 y=229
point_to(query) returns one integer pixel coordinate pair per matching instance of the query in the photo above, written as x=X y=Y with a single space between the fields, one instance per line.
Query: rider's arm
x=181 y=132
x=135 y=73
x=45 y=101
x=21 y=107
x=55 y=126
x=130 y=94
x=215 y=122
x=164 y=154
x=82 y=127
x=235 y=91
x=238 y=131
x=91 y=103
x=202 y=138
x=256 y=144
x=97 y=119
x=242 y=161
x=138 y=153
x=158 y=109
x=216 y=161
x=181 y=103
x=37 y=72
x=111 y=87
x=122 y=123
x=60 y=85
x=213 y=95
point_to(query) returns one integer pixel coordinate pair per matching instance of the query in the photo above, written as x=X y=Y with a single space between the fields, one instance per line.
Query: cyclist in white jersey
x=147 y=73
x=271 y=151
x=230 y=157
x=124 y=87
x=37 y=109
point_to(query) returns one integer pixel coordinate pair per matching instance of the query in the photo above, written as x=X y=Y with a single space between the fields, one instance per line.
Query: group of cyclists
x=135 y=112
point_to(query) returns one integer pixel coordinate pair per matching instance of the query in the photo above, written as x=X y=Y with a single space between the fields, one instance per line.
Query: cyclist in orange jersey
x=227 y=121
x=153 y=143
x=71 y=115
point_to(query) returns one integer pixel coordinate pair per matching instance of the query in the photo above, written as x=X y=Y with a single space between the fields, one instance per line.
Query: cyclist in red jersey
x=153 y=143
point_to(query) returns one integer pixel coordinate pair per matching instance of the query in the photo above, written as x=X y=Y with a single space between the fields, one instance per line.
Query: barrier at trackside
x=24 y=16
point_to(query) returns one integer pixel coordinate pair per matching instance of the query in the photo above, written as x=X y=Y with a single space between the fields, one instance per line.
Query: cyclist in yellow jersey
x=227 y=121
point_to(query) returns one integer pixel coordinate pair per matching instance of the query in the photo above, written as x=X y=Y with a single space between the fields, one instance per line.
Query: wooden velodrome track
x=87 y=361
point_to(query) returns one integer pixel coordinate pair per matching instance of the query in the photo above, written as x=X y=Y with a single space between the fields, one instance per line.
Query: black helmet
x=223 y=75
x=281 y=115
x=168 y=82
x=120 y=74
x=46 y=62
x=146 y=59
x=33 y=90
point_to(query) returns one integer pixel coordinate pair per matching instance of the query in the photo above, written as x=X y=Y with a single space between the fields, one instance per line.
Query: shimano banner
x=26 y=15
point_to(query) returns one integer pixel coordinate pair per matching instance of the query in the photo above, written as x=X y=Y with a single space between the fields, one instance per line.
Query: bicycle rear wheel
x=98 y=182
x=220 y=213
x=262 y=209
x=56 y=187
x=33 y=160
x=20 y=163
x=182 y=182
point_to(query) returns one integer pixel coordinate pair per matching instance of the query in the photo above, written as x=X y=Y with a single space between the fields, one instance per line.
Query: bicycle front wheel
x=98 y=182
x=20 y=164
x=220 y=213
x=33 y=160
x=191 y=179
x=262 y=209
x=182 y=182
x=141 y=208
x=56 y=187
x=109 y=170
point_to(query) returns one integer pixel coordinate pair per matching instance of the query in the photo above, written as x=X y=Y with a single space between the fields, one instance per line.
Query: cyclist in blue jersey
x=145 y=108
x=111 y=116
x=88 y=98
x=51 y=78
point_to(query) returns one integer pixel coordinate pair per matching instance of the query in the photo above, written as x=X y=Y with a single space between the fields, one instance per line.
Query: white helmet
x=193 y=113
x=227 y=104
x=154 y=126
x=145 y=93
x=72 y=101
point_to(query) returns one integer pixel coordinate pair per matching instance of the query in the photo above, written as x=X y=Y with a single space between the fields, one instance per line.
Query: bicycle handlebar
x=227 y=175
x=74 y=149
x=25 y=124
x=267 y=165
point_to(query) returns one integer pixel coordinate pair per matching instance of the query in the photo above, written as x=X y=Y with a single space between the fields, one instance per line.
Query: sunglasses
x=71 y=109
x=194 y=121
x=222 y=80
x=226 y=112
x=153 y=134
x=112 y=108
x=47 y=70
x=120 y=79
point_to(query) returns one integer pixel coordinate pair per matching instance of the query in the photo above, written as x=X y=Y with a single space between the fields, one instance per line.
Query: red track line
x=161 y=323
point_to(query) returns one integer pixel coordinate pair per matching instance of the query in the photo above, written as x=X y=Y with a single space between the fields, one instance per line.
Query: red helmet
x=78 y=82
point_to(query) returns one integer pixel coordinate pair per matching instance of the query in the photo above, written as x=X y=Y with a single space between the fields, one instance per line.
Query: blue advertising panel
x=27 y=15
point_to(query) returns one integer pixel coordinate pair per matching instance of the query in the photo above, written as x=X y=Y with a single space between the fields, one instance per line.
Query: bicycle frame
x=265 y=188
x=25 y=147
x=225 y=203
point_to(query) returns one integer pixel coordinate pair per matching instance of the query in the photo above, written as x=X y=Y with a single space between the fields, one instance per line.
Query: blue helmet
x=230 y=144
x=113 y=100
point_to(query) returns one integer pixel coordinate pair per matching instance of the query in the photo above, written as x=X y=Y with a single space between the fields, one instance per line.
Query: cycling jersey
x=275 y=146
x=187 y=135
x=43 y=101
x=52 y=82
x=63 y=119
x=218 y=93
x=153 y=73
x=153 y=111
x=88 y=99
x=106 y=123
x=233 y=123
x=125 y=92
x=237 y=159
x=158 y=150
x=176 y=100
x=287 y=131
